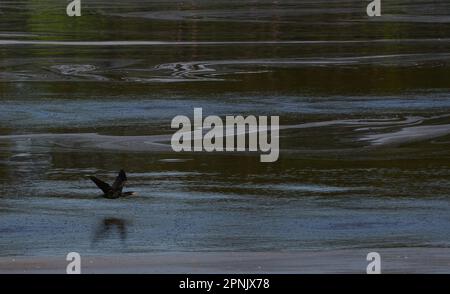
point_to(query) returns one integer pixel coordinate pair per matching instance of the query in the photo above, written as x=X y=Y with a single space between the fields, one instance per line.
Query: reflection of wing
x=102 y=185
x=120 y=181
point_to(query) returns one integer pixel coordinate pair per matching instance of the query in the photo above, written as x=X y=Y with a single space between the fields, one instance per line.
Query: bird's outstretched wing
x=120 y=181
x=101 y=185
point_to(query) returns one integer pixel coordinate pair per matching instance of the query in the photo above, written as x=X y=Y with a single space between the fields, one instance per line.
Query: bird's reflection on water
x=110 y=227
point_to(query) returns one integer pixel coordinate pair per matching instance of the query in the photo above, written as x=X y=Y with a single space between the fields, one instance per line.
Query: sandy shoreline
x=398 y=260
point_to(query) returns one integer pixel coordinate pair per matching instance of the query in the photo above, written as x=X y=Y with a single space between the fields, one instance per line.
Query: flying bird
x=114 y=191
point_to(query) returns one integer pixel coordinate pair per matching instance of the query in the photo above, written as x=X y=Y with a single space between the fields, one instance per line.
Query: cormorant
x=114 y=191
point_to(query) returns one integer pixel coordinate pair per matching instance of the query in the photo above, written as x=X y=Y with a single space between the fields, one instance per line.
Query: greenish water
x=374 y=172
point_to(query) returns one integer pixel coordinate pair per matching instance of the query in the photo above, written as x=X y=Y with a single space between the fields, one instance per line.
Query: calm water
x=364 y=104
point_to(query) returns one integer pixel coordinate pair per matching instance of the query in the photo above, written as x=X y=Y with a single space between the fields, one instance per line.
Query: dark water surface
x=364 y=106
